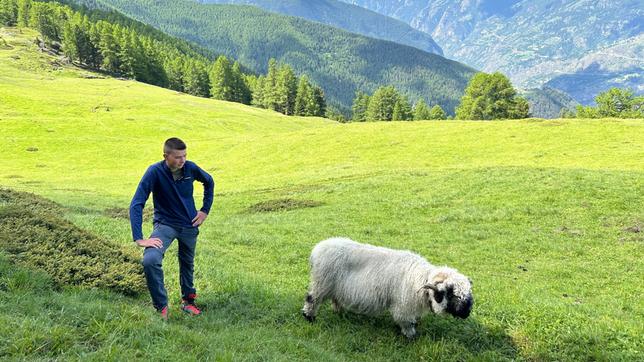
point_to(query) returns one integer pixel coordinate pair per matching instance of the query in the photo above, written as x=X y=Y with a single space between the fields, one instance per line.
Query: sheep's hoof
x=411 y=336
x=309 y=318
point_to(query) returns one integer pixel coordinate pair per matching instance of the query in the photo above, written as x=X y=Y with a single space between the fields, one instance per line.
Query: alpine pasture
x=544 y=216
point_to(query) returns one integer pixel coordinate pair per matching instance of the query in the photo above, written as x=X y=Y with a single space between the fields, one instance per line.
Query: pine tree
x=174 y=67
x=108 y=47
x=241 y=90
x=359 y=107
x=221 y=79
x=95 y=58
x=154 y=68
x=437 y=113
x=196 y=81
x=69 y=42
x=270 y=86
x=285 y=90
x=421 y=111
x=23 y=12
x=303 y=97
x=257 y=90
x=381 y=104
x=318 y=105
x=44 y=18
x=401 y=110
x=8 y=12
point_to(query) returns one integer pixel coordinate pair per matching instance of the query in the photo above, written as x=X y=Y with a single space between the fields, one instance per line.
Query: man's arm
x=208 y=194
x=138 y=203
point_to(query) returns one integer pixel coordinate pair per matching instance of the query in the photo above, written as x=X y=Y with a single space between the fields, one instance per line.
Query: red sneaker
x=164 y=313
x=188 y=305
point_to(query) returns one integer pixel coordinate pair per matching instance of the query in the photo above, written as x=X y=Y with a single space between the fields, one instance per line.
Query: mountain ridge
x=530 y=41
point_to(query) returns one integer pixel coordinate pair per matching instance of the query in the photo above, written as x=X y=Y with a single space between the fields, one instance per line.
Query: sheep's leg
x=312 y=303
x=407 y=323
x=336 y=305
x=408 y=329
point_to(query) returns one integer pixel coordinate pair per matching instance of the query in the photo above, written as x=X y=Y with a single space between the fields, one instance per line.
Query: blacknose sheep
x=368 y=279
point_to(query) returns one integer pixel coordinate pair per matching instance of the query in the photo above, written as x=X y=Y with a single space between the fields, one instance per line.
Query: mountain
x=533 y=41
x=338 y=61
x=547 y=102
x=345 y=16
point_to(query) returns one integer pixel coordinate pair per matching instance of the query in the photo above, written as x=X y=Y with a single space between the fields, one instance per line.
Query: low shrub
x=33 y=233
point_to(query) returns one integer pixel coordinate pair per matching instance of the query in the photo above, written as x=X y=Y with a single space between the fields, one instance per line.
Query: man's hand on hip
x=199 y=219
x=151 y=242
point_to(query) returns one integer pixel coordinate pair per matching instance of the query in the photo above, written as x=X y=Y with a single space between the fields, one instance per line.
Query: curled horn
x=429 y=286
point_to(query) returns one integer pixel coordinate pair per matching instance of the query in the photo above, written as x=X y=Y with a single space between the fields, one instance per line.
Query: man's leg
x=152 y=265
x=187 y=244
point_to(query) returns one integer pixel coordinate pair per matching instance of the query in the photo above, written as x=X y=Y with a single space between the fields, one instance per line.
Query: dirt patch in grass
x=282 y=205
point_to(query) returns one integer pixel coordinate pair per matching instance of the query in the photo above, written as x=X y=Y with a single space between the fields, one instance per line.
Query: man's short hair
x=172 y=144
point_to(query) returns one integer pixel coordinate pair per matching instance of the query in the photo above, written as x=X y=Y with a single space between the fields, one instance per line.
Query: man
x=175 y=217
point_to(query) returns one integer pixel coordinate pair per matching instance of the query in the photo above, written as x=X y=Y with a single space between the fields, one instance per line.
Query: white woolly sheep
x=368 y=279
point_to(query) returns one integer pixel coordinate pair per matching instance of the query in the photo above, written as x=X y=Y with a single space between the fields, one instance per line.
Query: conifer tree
x=437 y=113
x=286 y=89
x=270 y=86
x=401 y=110
x=257 y=89
x=359 y=107
x=318 y=106
x=8 y=12
x=23 y=12
x=109 y=47
x=304 y=97
x=174 y=67
x=421 y=110
x=221 y=79
x=241 y=90
x=195 y=80
x=381 y=104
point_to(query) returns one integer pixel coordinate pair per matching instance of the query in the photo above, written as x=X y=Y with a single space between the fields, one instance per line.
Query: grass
x=542 y=215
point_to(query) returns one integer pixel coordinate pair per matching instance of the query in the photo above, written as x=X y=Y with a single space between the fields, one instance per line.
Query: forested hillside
x=338 y=61
x=348 y=17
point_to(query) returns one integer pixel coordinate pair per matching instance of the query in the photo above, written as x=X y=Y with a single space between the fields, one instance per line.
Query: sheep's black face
x=458 y=305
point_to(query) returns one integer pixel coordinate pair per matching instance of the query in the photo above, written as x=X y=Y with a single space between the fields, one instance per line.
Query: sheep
x=367 y=279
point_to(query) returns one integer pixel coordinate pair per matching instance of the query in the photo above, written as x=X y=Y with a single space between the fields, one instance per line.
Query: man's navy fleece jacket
x=173 y=201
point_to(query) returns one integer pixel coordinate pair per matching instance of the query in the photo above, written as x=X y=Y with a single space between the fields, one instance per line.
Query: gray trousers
x=153 y=260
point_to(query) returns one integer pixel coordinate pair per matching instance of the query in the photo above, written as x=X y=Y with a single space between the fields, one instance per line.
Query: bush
x=33 y=234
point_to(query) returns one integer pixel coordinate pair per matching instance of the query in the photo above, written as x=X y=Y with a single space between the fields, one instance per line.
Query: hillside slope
x=529 y=210
x=338 y=61
x=349 y=17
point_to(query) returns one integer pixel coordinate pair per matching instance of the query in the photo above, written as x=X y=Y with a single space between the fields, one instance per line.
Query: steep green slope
x=530 y=210
x=348 y=17
x=338 y=61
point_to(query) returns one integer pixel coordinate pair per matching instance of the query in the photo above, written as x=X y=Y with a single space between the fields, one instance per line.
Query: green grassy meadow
x=543 y=215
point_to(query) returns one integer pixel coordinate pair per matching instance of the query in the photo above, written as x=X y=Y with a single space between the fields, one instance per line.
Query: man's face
x=175 y=159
